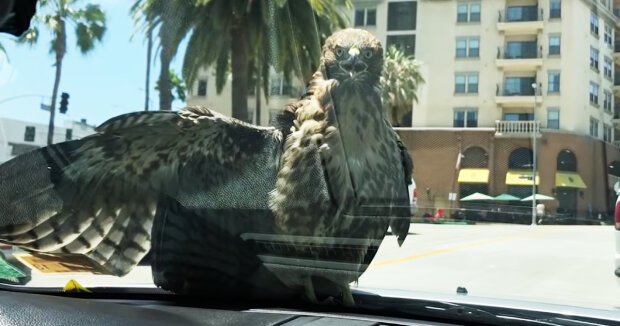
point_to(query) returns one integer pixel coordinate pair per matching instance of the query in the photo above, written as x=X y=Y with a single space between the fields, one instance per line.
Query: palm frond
x=400 y=82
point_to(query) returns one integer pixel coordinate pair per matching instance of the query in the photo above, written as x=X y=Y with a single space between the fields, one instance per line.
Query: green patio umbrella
x=506 y=197
x=476 y=196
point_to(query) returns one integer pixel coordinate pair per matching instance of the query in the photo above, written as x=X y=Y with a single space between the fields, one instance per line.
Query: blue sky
x=104 y=83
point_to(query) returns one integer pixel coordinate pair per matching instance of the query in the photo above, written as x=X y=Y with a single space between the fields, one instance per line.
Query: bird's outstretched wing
x=98 y=195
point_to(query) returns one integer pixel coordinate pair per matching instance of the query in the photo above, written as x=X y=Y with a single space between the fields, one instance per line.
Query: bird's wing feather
x=98 y=195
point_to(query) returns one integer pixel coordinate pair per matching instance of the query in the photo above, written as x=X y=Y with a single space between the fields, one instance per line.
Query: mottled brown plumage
x=224 y=204
x=341 y=124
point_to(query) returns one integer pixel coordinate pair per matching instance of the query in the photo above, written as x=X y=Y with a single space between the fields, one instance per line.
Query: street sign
x=45 y=107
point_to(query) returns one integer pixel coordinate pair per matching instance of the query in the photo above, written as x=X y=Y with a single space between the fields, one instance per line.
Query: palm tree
x=172 y=20
x=146 y=24
x=400 y=81
x=55 y=15
x=244 y=38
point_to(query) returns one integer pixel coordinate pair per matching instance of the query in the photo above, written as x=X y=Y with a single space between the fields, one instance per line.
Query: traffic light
x=64 y=102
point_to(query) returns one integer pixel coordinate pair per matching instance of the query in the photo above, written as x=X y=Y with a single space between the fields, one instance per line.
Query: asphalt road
x=554 y=264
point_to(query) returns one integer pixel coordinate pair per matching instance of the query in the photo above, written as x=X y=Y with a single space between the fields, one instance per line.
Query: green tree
x=400 y=81
x=57 y=16
x=244 y=38
x=176 y=84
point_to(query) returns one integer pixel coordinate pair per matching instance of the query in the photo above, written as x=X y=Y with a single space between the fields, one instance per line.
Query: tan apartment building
x=492 y=51
x=498 y=72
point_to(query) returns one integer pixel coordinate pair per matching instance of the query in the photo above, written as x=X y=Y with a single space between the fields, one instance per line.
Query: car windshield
x=309 y=148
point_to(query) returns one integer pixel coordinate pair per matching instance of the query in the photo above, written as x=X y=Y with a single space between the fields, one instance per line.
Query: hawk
x=226 y=206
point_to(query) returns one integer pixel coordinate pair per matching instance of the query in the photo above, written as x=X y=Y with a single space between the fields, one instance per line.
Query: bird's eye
x=339 y=52
x=367 y=54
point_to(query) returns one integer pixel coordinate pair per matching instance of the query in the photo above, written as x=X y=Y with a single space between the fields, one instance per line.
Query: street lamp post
x=535 y=87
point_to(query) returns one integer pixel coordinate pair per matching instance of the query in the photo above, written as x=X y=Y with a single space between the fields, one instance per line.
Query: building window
x=593 y=127
x=554 y=44
x=594 y=58
x=202 y=87
x=472 y=83
x=459 y=119
x=555 y=9
x=594 y=24
x=554 y=82
x=29 y=134
x=519 y=86
x=467 y=47
x=521 y=49
x=607 y=36
x=474 y=47
x=461 y=13
x=466 y=83
x=521 y=158
x=522 y=13
x=607 y=133
x=553 y=118
x=468 y=12
x=607 y=68
x=280 y=86
x=405 y=42
x=68 y=134
x=474 y=12
x=402 y=15
x=607 y=101
x=461 y=47
x=465 y=118
x=510 y=116
x=566 y=161
x=475 y=157
x=366 y=17
x=472 y=119
x=594 y=93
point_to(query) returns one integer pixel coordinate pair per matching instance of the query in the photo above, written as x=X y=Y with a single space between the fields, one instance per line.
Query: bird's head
x=353 y=56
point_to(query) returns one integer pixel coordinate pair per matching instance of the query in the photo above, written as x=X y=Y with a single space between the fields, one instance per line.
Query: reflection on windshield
x=269 y=153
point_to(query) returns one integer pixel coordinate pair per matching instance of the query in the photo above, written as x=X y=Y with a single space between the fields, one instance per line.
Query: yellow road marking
x=463 y=246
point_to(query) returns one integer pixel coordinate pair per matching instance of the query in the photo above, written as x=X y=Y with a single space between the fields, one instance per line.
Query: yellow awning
x=521 y=178
x=473 y=176
x=569 y=180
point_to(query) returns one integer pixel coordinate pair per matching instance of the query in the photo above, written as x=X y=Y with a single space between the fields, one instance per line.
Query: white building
x=17 y=137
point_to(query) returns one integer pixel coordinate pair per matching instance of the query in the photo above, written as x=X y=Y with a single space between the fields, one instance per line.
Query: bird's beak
x=354 y=51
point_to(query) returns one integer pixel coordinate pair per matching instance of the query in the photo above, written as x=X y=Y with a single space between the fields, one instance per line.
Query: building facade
x=18 y=137
x=499 y=74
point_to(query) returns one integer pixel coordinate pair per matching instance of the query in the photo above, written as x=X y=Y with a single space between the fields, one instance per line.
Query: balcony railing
x=503 y=53
x=525 y=128
x=520 y=14
x=503 y=90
